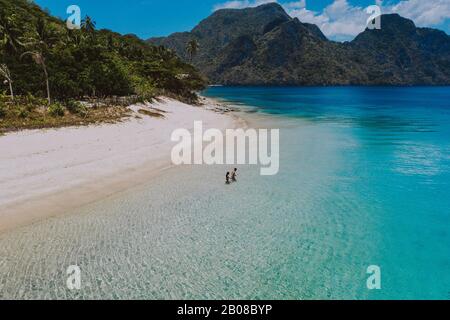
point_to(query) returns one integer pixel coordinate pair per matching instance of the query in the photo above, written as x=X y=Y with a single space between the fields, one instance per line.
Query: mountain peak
x=394 y=23
x=393 y=26
x=262 y=13
x=271 y=6
x=225 y=25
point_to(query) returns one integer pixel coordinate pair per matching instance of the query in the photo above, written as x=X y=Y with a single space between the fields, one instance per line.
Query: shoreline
x=50 y=172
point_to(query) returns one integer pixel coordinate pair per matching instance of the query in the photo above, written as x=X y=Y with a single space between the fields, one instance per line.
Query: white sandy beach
x=48 y=172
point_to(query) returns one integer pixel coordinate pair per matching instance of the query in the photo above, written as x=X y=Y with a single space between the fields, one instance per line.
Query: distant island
x=265 y=46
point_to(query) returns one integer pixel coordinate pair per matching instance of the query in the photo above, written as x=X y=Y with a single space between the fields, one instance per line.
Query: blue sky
x=338 y=19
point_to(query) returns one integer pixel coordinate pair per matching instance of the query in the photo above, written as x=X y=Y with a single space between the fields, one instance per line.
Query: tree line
x=41 y=56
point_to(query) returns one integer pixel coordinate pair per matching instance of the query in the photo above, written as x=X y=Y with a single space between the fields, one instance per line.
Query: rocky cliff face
x=265 y=46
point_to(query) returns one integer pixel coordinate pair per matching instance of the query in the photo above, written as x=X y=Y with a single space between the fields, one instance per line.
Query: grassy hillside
x=41 y=58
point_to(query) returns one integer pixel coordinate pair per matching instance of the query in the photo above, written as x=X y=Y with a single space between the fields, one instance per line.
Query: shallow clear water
x=364 y=180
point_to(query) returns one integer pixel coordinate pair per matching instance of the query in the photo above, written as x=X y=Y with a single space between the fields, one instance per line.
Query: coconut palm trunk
x=39 y=59
x=47 y=83
x=7 y=75
x=192 y=49
x=11 y=90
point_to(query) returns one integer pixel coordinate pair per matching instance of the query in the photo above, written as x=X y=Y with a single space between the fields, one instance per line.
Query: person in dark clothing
x=227 y=178
x=234 y=175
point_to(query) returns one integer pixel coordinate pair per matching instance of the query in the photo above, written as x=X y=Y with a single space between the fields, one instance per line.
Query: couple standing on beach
x=232 y=178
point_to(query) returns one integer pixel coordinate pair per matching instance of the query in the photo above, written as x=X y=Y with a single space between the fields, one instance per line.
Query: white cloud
x=295 y=5
x=423 y=13
x=339 y=20
x=343 y=21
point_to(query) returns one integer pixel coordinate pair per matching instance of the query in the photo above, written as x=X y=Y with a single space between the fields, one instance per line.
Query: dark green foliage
x=84 y=63
x=265 y=46
x=22 y=112
x=76 y=107
x=192 y=48
x=2 y=110
x=56 y=110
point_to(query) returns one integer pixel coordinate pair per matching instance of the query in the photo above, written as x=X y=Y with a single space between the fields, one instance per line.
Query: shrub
x=35 y=101
x=76 y=107
x=56 y=110
x=2 y=110
x=22 y=112
x=3 y=97
x=30 y=107
x=145 y=91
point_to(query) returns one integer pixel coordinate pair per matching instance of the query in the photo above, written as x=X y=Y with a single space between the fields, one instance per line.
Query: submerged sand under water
x=187 y=235
x=348 y=196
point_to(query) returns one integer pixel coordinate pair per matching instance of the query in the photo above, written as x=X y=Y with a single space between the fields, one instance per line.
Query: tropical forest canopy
x=42 y=57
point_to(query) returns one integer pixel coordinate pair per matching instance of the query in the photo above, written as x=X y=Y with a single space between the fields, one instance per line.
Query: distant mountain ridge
x=265 y=46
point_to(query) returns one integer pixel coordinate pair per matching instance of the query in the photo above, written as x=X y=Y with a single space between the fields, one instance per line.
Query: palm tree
x=75 y=37
x=88 y=24
x=110 y=42
x=46 y=35
x=160 y=51
x=192 y=48
x=39 y=59
x=88 y=27
x=10 y=32
x=40 y=41
x=4 y=71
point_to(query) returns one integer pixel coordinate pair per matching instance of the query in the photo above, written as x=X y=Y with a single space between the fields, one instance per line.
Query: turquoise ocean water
x=364 y=180
x=375 y=162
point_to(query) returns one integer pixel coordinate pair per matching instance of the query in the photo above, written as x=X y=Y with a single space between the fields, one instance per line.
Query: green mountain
x=265 y=46
x=46 y=59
